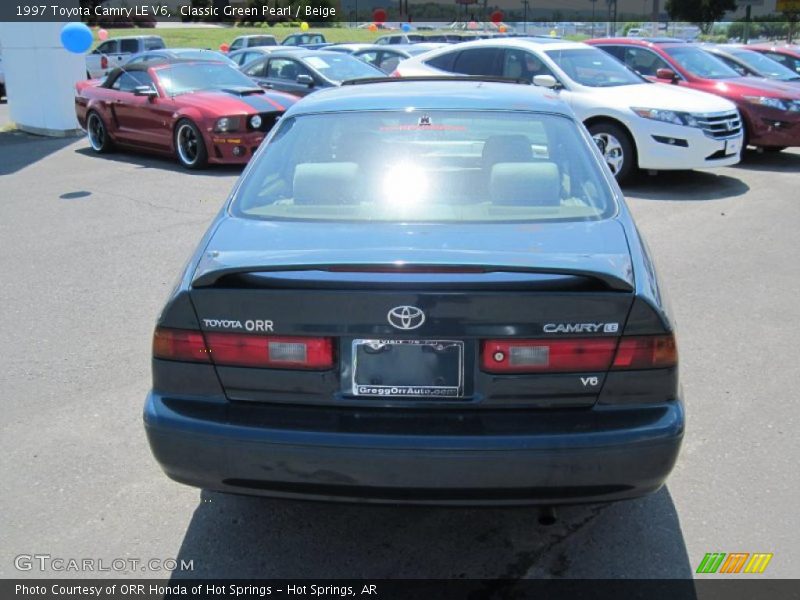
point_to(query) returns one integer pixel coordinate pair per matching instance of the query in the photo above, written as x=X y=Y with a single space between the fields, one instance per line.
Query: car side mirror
x=546 y=81
x=667 y=74
x=145 y=90
x=304 y=79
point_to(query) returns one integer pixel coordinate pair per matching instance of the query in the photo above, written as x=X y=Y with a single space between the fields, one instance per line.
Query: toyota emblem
x=406 y=317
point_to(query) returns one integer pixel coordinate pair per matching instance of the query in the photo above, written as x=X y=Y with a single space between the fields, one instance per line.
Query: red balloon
x=379 y=15
x=496 y=16
x=223 y=47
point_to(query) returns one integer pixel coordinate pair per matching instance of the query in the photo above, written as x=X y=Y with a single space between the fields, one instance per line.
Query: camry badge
x=406 y=317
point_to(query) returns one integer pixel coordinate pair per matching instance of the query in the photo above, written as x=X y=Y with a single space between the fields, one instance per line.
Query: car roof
x=353 y=45
x=520 y=42
x=301 y=52
x=431 y=93
x=633 y=41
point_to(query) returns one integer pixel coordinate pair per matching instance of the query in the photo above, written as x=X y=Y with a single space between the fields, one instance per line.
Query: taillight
x=103 y=62
x=274 y=352
x=243 y=350
x=535 y=356
x=577 y=355
x=180 y=344
x=646 y=352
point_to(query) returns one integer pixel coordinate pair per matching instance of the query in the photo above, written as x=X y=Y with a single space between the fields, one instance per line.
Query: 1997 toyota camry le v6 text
x=412 y=297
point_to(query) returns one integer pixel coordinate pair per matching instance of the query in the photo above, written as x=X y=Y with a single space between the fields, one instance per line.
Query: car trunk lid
x=472 y=284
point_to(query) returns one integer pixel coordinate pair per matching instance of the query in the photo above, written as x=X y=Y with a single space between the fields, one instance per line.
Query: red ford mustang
x=201 y=112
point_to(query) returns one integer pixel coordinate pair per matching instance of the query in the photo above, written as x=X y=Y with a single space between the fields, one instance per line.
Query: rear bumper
x=626 y=456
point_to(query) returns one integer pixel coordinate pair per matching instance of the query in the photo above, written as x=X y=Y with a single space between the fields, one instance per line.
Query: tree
x=702 y=13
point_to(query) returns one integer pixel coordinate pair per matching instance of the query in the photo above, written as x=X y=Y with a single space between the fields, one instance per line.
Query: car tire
x=189 y=145
x=617 y=148
x=97 y=132
x=773 y=149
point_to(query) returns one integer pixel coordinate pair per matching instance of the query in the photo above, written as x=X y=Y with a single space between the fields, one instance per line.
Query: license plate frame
x=453 y=387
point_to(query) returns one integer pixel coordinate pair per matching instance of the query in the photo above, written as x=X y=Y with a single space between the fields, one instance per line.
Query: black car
x=415 y=294
x=300 y=72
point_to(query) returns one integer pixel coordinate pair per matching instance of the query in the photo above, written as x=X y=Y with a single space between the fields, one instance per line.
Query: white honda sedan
x=636 y=124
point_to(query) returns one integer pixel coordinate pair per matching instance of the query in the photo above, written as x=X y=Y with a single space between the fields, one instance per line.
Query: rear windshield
x=427 y=166
x=262 y=40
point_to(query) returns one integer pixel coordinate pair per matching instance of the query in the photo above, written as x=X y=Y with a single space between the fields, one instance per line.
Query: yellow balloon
x=553 y=33
x=304 y=26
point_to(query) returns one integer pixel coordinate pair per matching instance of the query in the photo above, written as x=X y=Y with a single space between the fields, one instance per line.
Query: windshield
x=593 y=67
x=426 y=166
x=700 y=63
x=181 y=79
x=341 y=67
x=765 y=66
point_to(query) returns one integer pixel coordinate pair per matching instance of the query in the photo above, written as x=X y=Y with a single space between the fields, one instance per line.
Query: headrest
x=525 y=184
x=325 y=183
x=506 y=148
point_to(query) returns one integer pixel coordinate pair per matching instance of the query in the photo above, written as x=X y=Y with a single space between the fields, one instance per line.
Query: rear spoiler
x=208 y=275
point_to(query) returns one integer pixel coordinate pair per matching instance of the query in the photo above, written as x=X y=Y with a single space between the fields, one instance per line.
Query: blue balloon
x=406 y=27
x=76 y=37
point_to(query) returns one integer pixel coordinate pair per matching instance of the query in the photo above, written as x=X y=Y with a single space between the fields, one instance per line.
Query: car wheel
x=97 y=133
x=189 y=145
x=617 y=148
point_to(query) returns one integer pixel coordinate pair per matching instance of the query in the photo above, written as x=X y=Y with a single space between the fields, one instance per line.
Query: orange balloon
x=502 y=29
x=372 y=27
x=224 y=47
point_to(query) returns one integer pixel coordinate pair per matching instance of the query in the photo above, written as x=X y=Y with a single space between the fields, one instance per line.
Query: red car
x=201 y=112
x=771 y=110
x=788 y=56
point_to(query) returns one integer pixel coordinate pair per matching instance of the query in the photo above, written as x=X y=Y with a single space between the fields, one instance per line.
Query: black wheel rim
x=97 y=132
x=188 y=146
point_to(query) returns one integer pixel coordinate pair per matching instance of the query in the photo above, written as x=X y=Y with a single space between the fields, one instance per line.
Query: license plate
x=420 y=368
x=733 y=146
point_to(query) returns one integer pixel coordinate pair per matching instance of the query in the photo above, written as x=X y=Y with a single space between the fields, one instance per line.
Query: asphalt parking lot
x=89 y=247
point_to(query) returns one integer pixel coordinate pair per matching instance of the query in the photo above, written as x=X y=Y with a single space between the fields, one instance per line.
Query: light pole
x=594 y=3
x=525 y=15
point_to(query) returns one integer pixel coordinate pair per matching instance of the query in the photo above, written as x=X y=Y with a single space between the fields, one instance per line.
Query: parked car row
x=652 y=104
